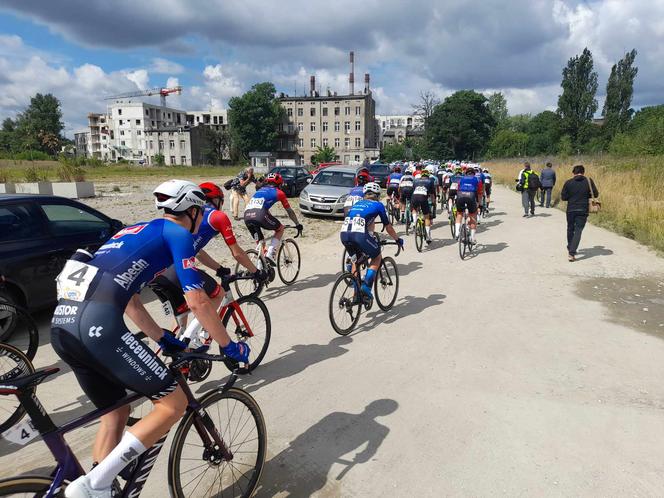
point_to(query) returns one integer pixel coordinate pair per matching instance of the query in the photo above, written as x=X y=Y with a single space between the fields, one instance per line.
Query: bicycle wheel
x=258 y=336
x=419 y=235
x=408 y=216
x=386 y=285
x=345 y=306
x=13 y=363
x=288 y=261
x=24 y=334
x=249 y=287
x=463 y=240
x=7 y=321
x=197 y=469
x=28 y=486
x=344 y=257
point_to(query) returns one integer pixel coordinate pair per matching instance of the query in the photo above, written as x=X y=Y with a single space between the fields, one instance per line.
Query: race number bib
x=347 y=222
x=406 y=184
x=74 y=280
x=256 y=203
x=454 y=186
x=350 y=200
x=358 y=225
x=420 y=190
x=487 y=181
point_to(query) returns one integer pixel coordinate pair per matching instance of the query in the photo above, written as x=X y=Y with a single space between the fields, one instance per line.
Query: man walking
x=527 y=184
x=548 y=180
x=239 y=190
x=577 y=192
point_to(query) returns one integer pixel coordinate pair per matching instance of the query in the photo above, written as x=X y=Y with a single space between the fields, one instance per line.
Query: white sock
x=428 y=230
x=457 y=228
x=127 y=450
x=274 y=245
x=472 y=234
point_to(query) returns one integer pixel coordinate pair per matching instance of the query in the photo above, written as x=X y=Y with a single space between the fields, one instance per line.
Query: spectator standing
x=577 y=191
x=239 y=190
x=527 y=184
x=548 y=180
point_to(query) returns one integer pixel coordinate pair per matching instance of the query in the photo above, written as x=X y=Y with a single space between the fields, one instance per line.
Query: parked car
x=38 y=233
x=323 y=166
x=295 y=179
x=380 y=172
x=327 y=192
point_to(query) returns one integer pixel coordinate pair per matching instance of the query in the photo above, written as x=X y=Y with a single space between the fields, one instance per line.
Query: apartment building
x=344 y=122
x=99 y=140
x=387 y=122
x=82 y=143
x=216 y=119
x=178 y=145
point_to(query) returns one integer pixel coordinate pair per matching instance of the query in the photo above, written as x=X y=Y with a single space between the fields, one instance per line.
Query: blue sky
x=83 y=50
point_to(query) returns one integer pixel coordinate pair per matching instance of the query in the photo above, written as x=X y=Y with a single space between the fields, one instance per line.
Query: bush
x=33 y=174
x=159 y=159
x=70 y=171
x=32 y=155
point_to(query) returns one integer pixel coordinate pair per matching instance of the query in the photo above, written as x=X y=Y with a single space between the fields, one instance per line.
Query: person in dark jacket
x=548 y=181
x=576 y=192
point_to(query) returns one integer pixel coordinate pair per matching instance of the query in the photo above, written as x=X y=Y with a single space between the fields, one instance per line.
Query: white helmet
x=371 y=187
x=178 y=195
x=410 y=170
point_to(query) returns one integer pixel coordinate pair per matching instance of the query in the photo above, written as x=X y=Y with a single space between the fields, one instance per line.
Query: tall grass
x=631 y=190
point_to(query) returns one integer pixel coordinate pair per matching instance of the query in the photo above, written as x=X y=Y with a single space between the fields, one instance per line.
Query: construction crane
x=162 y=92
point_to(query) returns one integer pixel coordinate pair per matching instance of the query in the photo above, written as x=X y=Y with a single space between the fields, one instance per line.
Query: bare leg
x=111 y=427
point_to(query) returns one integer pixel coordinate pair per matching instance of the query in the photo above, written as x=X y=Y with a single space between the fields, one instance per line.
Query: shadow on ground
x=335 y=445
x=592 y=252
x=403 y=308
x=278 y=289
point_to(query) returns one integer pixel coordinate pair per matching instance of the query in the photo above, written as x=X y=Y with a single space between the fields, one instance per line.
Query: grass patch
x=631 y=190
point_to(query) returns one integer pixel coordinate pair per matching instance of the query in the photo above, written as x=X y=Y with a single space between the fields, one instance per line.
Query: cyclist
x=405 y=190
x=393 y=180
x=214 y=222
x=257 y=215
x=423 y=191
x=468 y=197
x=487 y=187
x=356 y=193
x=357 y=234
x=95 y=291
x=454 y=187
x=433 y=180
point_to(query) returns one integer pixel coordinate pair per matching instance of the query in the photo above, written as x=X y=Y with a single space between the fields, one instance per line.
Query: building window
x=183 y=159
x=300 y=112
x=121 y=132
x=120 y=122
x=119 y=112
x=313 y=143
x=324 y=125
x=153 y=123
x=324 y=111
x=325 y=142
x=300 y=127
x=347 y=110
x=312 y=111
x=171 y=144
x=122 y=142
x=357 y=110
x=346 y=142
x=169 y=115
x=289 y=111
x=172 y=159
x=336 y=111
x=182 y=144
x=358 y=142
x=300 y=142
x=346 y=126
x=357 y=157
x=161 y=144
x=214 y=120
x=312 y=126
x=151 y=144
x=336 y=142
x=337 y=126
x=290 y=128
x=138 y=132
x=358 y=125
x=147 y=113
x=138 y=122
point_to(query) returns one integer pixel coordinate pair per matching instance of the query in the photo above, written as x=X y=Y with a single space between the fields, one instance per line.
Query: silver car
x=327 y=192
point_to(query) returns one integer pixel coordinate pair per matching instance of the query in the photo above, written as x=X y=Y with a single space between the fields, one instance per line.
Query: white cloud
x=164 y=66
x=140 y=77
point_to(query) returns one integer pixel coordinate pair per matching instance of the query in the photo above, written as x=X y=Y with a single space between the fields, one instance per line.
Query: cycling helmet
x=363 y=178
x=396 y=169
x=371 y=187
x=410 y=170
x=425 y=173
x=458 y=171
x=486 y=170
x=211 y=191
x=176 y=196
x=274 y=179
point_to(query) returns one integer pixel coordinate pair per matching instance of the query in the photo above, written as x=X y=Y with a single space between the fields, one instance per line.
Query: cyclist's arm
x=242 y=258
x=200 y=304
x=281 y=197
x=142 y=319
x=207 y=260
x=392 y=232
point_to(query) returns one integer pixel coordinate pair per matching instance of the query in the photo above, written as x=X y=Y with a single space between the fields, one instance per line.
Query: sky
x=85 y=50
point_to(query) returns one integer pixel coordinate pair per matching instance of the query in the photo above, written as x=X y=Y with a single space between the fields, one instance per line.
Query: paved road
x=496 y=376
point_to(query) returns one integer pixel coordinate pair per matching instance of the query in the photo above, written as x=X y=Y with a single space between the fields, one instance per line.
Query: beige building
x=344 y=122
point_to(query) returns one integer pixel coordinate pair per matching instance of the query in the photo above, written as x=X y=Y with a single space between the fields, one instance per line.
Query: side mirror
x=310 y=179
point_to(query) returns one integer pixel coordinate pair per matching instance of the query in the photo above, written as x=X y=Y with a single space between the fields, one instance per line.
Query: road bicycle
x=219 y=446
x=453 y=214
x=346 y=299
x=484 y=208
x=420 y=231
x=18 y=328
x=408 y=216
x=465 y=244
x=392 y=208
x=246 y=319
x=287 y=265
x=13 y=363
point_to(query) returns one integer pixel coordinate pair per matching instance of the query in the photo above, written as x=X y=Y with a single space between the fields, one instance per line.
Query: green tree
x=617 y=109
x=508 y=143
x=577 y=103
x=8 y=136
x=253 y=119
x=393 y=152
x=460 y=127
x=544 y=131
x=324 y=154
x=498 y=108
x=219 y=145
x=40 y=125
x=518 y=122
x=565 y=148
x=159 y=159
x=644 y=135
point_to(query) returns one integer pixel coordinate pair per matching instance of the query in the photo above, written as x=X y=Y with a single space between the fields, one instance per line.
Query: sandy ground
x=512 y=373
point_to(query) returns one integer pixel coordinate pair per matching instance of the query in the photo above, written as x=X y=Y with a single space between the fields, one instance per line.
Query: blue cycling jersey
x=394 y=179
x=132 y=258
x=264 y=198
x=469 y=184
x=205 y=232
x=366 y=210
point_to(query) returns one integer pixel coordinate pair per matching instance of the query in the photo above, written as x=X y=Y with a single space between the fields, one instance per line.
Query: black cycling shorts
x=106 y=358
x=451 y=194
x=421 y=202
x=255 y=219
x=392 y=190
x=360 y=243
x=487 y=189
x=406 y=194
x=463 y=202
x=167 y=288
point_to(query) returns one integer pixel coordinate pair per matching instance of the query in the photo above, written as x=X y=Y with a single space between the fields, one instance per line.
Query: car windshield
x=335 y=178
x=379 y=168
x=284 y=171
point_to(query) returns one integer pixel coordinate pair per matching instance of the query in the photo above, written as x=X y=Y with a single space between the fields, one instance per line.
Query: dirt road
x=514 y=373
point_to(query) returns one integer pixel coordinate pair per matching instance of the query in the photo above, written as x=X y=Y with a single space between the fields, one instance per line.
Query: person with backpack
x=528 y=183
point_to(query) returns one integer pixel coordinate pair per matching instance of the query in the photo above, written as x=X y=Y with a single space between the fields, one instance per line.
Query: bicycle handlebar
x=299 y=232
x=392 y=243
